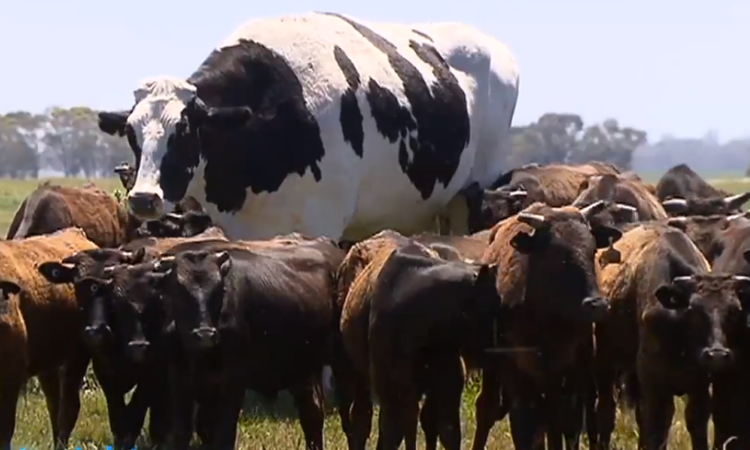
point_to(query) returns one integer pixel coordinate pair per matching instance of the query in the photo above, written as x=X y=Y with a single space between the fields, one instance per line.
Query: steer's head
x=131 y=295
x=713 y=309
x=163 y=130
x=561 y=245
x=76 y=269
x=731 y=204
x=487 y=207
x=192 y=285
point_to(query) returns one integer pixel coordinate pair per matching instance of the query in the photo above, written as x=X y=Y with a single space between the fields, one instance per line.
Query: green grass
x=269 y=427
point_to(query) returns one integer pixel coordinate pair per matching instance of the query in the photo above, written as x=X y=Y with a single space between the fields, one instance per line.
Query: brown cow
x=51 y=208
x=694 y=206
x=681 y=181
x=709 y=233
x=548 y=279
x=674 y=326
x=407 y=320
x=620 y=190
x=554 y=184
x=456 y=248
x=40 y=332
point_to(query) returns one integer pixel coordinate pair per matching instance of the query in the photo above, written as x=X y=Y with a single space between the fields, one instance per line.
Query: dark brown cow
x=554 y=184
x=621 y=190
x=682 y=182
x=116 y=370
x=40 y=325
x=735 y=257
x=548 y=279
x=247 y=319
x=709 y=233
x=695 y=206
x=51 y=208
x=684 y=193
x=674 y=327
x=407 y=319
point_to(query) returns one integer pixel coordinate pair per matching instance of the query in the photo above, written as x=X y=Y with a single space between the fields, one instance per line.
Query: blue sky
x=667 y=66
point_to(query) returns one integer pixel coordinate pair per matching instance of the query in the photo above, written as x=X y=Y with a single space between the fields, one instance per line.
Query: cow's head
x=714 y=312
x=706 y=206
x=561 y=248
x=188 y=224
x=77 y=268
x=126 y=172
x=192 y=285
x=163 y=130
x=481 y=307
x=489 y=206
x=130 y=295
x=705 y=231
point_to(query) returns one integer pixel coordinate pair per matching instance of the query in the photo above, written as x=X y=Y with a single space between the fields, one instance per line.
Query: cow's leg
x=606 y=407
x=451 y=380
x=10 y=389
x=135 y=415
x=181 y=405
x=657 y=411
x=343 y=375
x=361 y=412
x=50 y=383
x=526 y=418
x=729 y=408
x=487 y=407
x=70 y=400
x=228 y=407
x=308 y=399
x=697 y=412
x=554 y=409
x=116 y=408
x=158 y=403
x=399 y=414
x=429 y=417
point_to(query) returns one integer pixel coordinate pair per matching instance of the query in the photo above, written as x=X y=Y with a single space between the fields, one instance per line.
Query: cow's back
x=51 y=208
x=49 y=319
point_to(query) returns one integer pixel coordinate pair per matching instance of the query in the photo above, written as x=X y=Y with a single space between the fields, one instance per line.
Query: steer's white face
x=159 y=105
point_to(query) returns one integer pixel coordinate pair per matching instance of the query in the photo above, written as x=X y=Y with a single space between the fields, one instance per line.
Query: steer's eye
x=94 y=288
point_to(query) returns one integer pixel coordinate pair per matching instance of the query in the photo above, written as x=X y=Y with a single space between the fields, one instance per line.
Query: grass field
x=262 y=426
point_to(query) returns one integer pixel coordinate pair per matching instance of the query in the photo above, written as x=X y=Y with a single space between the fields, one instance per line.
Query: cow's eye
x=94 y=288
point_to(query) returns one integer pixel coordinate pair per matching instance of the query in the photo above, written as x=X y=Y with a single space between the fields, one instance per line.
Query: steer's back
x=44 y=329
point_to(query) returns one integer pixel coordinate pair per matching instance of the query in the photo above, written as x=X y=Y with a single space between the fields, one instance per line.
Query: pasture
x=262 y=426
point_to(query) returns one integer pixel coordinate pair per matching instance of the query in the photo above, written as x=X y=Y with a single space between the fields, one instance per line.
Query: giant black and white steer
x=325 y=125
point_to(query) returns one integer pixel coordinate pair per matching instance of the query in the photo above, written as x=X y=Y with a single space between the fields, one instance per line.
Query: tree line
x=68 y=140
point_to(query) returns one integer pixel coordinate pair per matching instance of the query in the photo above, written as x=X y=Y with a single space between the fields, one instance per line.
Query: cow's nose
x=716 y=358
x=146 y=205
x=595 y=308
x=138 y=349
x=95 y=333
x=206 y=336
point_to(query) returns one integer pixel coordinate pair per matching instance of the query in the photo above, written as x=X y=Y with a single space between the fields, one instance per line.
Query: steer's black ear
x=528 y=243
x=9 y=288
x=228 y=117
x=113 y=123
x=604 y=235
x=746 y=255
x=56 y=272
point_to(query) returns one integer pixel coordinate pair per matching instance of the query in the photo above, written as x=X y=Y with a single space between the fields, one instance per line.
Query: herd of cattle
x=577 y=283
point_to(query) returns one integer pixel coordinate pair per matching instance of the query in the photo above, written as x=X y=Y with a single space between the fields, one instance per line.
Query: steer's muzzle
x=94 y=334
x=205 y=337
x=595 y=308
x=138 y=350
x=716 y=358
x=145 y=205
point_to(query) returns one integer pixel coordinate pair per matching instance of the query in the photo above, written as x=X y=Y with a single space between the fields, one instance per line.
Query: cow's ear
x=113 y=123
x=57 y=273
x=224 y=262
x=746 y=255
x=669 y=297
x=528 y=243
x=605 y=235
x=9 y=288
x=346 y=244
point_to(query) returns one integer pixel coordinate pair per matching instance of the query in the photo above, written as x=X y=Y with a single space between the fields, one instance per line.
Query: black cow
x=247 y=319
